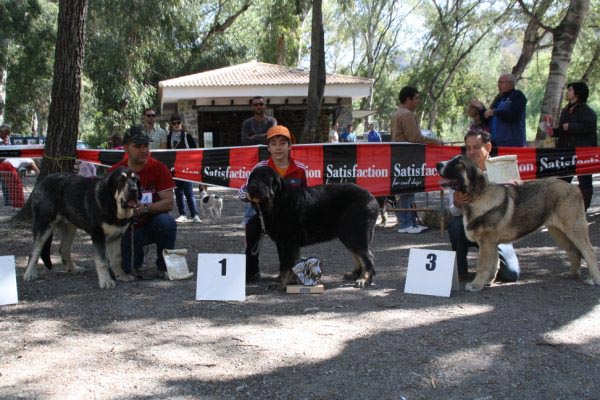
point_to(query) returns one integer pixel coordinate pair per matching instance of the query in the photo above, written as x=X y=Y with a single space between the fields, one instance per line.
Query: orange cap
x=279 y=130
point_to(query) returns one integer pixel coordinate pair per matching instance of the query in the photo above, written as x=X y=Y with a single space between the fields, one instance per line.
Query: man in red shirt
x=153 y=224
x=279 y=142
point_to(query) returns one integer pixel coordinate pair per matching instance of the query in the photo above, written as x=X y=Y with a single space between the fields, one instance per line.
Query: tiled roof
x=256 y=73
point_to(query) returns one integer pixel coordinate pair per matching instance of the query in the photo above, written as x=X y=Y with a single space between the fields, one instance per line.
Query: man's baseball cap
x=279 y=130
x=136 y=135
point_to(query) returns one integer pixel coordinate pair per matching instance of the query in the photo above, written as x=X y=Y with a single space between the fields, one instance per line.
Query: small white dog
x=212 y=204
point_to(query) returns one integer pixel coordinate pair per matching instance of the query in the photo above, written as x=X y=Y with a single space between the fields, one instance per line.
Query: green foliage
x=132 y=45
x=29 y=28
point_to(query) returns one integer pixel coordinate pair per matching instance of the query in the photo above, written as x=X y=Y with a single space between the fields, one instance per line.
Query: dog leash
x=256 y=248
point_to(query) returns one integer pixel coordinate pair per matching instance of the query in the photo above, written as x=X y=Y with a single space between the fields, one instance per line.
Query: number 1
x=223 y=263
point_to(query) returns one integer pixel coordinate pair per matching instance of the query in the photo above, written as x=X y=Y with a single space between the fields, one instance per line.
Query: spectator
x=115 y=142
x=87 y=169
x=507 y=114
x=152 y=222
x=405 y=128
x=279 y=142
x=477 y=146
x=577 y=128
x=254 y=129
x=333 y=133
x=178 y=138
x=157 y=134
x=10 y=174
x=348 y=136
x=476 y=112
x=5 y=135
x=373 y=135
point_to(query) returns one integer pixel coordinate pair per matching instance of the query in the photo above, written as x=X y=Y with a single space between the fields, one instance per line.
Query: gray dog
x=505 y=213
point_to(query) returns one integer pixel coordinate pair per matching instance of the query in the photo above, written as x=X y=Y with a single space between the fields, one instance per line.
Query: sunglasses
x=150 y=115
x=175 y=122
x=258 y=104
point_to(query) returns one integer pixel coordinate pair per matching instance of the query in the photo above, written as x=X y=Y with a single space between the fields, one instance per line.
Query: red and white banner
x=381 y=168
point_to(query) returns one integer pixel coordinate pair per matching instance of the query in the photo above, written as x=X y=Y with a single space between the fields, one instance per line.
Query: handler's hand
x=566 y=126
x=488 y=113
x=461 y=198
x=252 y=199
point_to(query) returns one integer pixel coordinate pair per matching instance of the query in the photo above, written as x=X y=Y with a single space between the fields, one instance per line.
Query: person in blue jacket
x=507 y=114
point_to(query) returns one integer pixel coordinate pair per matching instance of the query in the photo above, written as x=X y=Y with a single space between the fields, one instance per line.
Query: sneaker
x=197 y=219
x=410 y=229
x=181 y=218
x=421 y=227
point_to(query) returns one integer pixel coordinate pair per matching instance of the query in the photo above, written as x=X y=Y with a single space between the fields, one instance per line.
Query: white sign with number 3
x=431 y=272
x=221 y=277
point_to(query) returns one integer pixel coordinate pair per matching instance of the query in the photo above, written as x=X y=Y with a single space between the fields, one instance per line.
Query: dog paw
x=350 y=276
x=592 y=282
x=276 y=286
x=362 y=283
x=30 y=275
x=473 y=287
x=570 y=275
x=77 y=269
x=107 y=283
x=126 y=278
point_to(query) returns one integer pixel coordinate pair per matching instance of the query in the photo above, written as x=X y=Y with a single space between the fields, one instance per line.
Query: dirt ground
x=535 y=339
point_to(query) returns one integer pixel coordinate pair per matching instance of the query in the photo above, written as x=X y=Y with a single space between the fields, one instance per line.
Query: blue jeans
x=186 y=189
x=509 y=264
x=5 y=194
x=160 y=229
x=406 y=219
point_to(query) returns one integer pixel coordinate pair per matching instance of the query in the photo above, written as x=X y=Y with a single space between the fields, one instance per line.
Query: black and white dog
x=212 y=204
x=101 y=207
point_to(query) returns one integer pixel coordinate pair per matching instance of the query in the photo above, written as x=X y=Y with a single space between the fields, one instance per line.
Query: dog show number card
x=8 y=281
x=221 y=277
x=431 y=272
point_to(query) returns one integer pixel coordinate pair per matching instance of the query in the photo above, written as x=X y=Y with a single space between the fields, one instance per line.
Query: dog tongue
x=132 y=203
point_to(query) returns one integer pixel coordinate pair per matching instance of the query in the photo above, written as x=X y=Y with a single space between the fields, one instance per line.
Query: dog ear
x=275 y=185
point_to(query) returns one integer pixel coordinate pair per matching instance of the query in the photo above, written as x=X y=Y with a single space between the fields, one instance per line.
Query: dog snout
x=440 y=166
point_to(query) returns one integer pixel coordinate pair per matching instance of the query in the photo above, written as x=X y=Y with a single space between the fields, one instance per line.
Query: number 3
x=430 y=266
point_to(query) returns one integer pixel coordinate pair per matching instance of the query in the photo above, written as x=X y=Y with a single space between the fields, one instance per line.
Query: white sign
x=431 y=272
x=8 y=281
x=221 y=277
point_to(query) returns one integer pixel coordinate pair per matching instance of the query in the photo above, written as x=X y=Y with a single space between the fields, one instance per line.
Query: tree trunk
x=63 y=118
x=592 y=65
x=316 y=85
x=531 y=39
x=3 y=75
x=564 y=39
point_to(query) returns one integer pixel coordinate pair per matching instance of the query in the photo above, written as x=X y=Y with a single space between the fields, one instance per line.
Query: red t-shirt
x=155 y=177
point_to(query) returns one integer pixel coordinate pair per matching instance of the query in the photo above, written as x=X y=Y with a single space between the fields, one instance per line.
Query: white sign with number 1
x=431 y=272
x=221 y=277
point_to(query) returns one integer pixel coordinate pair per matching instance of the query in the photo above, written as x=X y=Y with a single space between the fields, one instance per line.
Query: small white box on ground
x=316 y=289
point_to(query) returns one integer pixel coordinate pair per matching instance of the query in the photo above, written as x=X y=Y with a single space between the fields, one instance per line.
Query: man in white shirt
x=478 y=145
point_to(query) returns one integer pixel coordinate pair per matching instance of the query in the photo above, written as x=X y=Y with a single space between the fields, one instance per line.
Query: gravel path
x=535 y=339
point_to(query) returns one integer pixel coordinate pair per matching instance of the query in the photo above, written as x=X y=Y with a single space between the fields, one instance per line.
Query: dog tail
x=46 y=253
